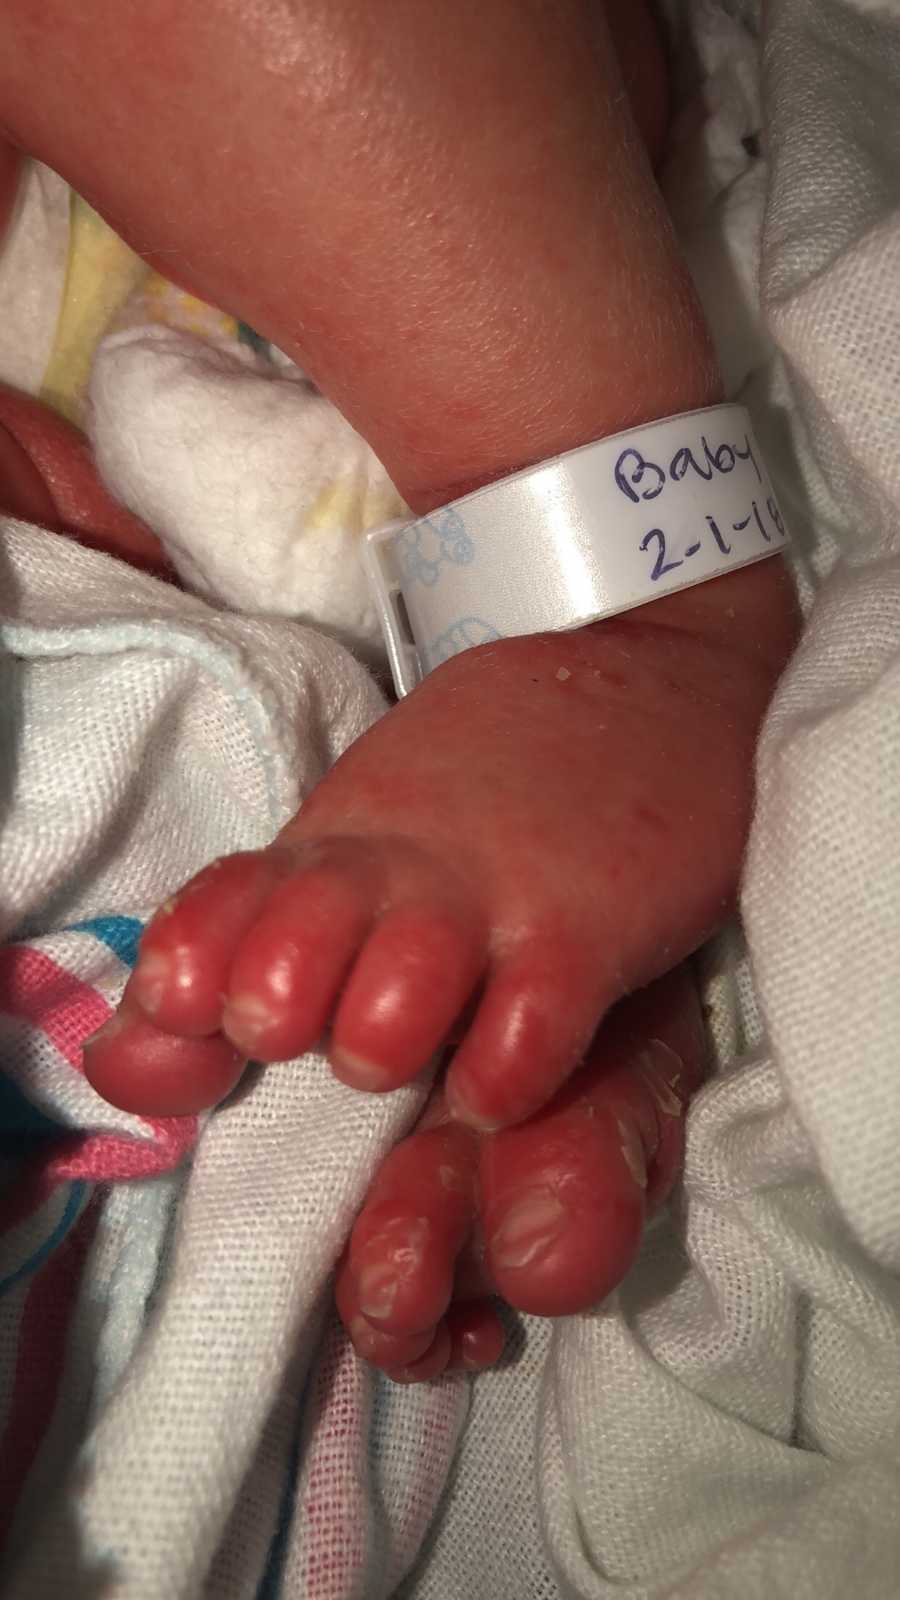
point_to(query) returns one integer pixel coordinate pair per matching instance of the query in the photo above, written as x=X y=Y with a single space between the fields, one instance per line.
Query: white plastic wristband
x=584 y=536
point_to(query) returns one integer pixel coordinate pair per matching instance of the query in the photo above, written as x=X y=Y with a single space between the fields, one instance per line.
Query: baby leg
x=550 y=822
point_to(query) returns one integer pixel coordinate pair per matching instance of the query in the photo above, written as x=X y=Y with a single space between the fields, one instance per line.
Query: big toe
x=564 y=1196
x=141 y=1069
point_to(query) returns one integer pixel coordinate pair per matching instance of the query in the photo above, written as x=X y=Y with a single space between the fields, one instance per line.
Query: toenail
x=461 y=1111
x=152 y=977
x=359 y=1073
x=376 y=1289
x=109 y=1029
x=526 y=1230
x=246 y=1018
x=394 y=1255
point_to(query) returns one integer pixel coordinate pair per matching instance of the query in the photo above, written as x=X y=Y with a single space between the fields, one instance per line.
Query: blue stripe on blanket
x=23 y=1127
x=47 y=1246
x=121 y=935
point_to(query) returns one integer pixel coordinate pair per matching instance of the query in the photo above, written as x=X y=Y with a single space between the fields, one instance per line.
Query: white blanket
x=729 y=1424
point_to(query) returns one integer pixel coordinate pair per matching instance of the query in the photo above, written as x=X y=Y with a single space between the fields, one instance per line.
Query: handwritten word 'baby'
x=633 y=467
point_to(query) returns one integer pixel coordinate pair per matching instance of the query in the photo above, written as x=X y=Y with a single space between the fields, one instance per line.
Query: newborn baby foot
x=565 y=825
x=549 y=1214
x=544 y=826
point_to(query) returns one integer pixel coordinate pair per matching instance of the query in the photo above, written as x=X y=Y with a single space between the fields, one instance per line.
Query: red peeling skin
x=604 y=1155
x=605 y=1152
x=622 y=1112
x=413 y=1228
x=192 y=940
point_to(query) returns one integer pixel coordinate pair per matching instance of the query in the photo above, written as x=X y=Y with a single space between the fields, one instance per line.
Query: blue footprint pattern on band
x=432 y=543
x=462 y=635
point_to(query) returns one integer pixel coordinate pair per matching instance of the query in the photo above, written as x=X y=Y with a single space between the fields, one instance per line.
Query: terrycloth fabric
x=729 y=1424
x=257 y=486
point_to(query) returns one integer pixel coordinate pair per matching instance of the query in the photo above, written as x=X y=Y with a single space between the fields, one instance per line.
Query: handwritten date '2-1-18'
x=656 y=536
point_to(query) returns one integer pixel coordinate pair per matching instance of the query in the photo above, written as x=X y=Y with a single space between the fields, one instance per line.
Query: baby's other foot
x=545 y=825
x=47 y=476
x=548 y=1215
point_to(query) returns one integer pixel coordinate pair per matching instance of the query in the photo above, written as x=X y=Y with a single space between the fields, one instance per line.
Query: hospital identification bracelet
x=584 y=536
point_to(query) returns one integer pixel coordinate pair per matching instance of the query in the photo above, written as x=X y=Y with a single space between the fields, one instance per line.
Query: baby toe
x=532 y=1026
x=134 y=1065
x=409 y=985
x=288 y=972
x=380 y=1348
x=565 y=1195
x=563 y=1212
x=187 y=951
x=415 y=1221
x=429 y=1366
x=476 y=1336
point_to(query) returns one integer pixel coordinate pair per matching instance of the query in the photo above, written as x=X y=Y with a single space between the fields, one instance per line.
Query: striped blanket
x=180 y=1412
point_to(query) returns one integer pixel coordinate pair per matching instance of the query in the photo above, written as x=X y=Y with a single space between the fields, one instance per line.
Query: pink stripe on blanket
x=334 y=1512
x=35 y=989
